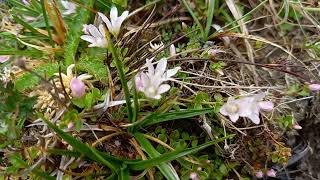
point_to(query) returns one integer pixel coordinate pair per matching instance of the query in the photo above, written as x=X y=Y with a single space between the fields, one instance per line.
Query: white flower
x=246 y=107
x=108 y=103
x=95 y=36
x=155 y=46
x=116 y=22
x=69 y=6
x=150 y=83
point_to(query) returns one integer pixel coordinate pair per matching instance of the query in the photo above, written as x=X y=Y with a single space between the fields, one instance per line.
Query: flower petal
x=234 y=117
x=254 y=118
x=113 y=13
x=171 y=72
x=105 y=20
x=161 y=66
x=163 y=88
x=69 y=70
x=88 y=38
x=150 y=66
x=94 y=31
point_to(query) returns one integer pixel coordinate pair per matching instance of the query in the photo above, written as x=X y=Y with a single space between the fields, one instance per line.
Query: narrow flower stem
x=122 y=76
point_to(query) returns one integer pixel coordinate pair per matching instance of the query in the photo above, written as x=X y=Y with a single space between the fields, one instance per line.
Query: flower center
x=232 y=108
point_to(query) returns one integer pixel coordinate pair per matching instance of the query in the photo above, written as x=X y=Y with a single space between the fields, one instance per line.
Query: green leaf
x=155 y=160
x=75 y=31
x=88 y=151
x=165 y=168
x=93 y=66
x=30 y=53
x=28 y=80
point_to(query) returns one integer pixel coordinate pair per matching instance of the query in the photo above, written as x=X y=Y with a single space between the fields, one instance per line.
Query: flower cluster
x=151 y=82
x=246 y=107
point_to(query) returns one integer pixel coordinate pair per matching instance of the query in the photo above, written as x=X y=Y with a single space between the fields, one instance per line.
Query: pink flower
x=314 y=87
x=271 y=173
x=259 y=174
x=246 y=107
x=4 y=58
x=77 y=87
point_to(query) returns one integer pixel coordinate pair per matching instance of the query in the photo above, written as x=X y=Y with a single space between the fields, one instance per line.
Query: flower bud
x=314 y=87
x=172 y=50
x=297 y=127
x=70 y=125
x=266 y=105
x=77 y=87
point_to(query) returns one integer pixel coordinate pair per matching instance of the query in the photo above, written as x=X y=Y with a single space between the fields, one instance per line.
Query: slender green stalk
x=209 y=18
x=47 y=22
x=194 y=17
x=122 y=76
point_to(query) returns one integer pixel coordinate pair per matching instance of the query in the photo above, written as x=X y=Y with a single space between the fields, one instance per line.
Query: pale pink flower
x=314 y=87
x=246 y=107
x=271 y=173
x=259 y=174
x=95 y=36
x=150 y=83
x=78 y=89
x=115 y=24
x=4 y=58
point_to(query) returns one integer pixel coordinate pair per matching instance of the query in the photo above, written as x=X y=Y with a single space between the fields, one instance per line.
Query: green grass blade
x=209 y=18
x=165 y=168
x=124 y=173
x=31 y=53
x=24 y=24
x=172 y=155
x=75 y=31
x=19 y=4
x=194 y=17
x=124 y=84
x=155 y=118
x=84 y=148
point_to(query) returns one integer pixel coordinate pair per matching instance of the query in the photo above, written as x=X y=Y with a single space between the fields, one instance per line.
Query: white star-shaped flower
x=95 y=36
x=115 y=24
x=150 y=83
